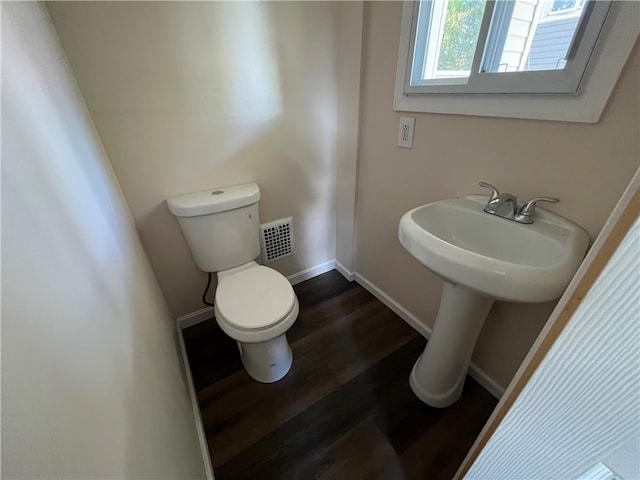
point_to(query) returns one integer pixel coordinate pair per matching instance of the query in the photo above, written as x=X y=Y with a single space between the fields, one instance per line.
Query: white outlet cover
x=405 y=132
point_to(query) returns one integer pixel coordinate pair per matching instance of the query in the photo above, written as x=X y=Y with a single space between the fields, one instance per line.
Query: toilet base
x=267 y=362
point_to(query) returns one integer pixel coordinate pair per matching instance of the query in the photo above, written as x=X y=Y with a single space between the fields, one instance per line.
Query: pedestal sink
x=481 y=258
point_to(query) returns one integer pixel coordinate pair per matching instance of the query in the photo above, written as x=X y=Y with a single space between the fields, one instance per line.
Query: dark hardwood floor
x=344 y=411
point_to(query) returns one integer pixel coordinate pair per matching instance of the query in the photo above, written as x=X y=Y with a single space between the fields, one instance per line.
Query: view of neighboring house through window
x=536 y=59
x=539 y=34
x=457 y=39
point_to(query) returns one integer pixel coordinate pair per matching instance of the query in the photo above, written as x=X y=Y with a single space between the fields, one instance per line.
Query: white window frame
x=570 y=11
x=562 y=81
x=612 y=48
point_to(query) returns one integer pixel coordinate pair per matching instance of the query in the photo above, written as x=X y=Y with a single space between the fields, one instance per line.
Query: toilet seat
x=254 y=299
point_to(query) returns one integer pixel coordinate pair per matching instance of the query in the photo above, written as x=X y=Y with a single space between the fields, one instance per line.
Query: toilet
x=254 y=304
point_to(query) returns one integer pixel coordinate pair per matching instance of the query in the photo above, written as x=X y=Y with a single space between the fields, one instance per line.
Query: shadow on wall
x=261 y=107
x=161 y=234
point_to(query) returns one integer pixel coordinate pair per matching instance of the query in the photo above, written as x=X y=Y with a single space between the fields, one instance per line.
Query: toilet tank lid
x=214 y=200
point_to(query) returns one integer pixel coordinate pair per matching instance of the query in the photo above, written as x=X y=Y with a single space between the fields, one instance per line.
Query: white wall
x=586 y=166
x=92 y=386
x=193 y=95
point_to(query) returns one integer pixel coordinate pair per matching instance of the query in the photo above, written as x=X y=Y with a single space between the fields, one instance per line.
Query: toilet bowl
x=255 y=305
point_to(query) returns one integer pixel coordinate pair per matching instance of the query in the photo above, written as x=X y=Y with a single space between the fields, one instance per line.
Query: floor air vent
x=277 y=239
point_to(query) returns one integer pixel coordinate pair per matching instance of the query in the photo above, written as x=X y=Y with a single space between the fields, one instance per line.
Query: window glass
x=448 y=38
x=458 y=42
x=514 y=70
x=536 y=35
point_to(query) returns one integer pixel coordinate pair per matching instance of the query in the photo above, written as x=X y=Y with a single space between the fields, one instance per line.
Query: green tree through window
x=461 y=28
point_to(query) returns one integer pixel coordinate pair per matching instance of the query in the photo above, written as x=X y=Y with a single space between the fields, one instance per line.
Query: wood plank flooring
x=344 y=411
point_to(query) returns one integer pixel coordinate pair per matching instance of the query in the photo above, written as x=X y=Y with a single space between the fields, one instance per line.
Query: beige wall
x=92 y=385
x=173 y=90
x=587 y=166
x=193 y=95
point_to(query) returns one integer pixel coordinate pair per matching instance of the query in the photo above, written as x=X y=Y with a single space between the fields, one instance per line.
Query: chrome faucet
x=505 y=205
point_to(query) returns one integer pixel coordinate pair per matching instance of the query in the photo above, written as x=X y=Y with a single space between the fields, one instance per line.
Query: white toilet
x=254 y=304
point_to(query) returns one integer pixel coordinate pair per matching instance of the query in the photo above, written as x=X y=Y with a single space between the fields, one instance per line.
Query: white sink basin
x=481 y=258
x=497 y=257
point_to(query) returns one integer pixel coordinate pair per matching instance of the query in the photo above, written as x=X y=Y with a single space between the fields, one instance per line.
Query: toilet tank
x=221 y=225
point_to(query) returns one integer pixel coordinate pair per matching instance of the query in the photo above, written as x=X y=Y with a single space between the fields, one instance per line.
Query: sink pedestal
x=481 y=257
x=438 y=376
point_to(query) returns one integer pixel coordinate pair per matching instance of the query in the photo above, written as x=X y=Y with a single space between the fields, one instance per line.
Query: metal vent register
x=277 y=239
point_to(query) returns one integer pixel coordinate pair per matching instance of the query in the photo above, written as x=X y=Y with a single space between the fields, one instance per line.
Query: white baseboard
x=311 y=272
x=486 y=381
x=398 y=309
x=476 y=373
x=193 y=318
x=202 y=438
x=345 y=272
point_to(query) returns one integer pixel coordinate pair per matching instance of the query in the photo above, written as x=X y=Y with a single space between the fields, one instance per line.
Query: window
x=522 y=50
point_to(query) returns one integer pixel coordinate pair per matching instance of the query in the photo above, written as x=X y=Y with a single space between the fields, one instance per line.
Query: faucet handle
x=529 y=207
x=494 y=191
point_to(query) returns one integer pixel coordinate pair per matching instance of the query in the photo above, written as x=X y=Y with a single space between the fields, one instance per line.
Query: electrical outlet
x=405 y=132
